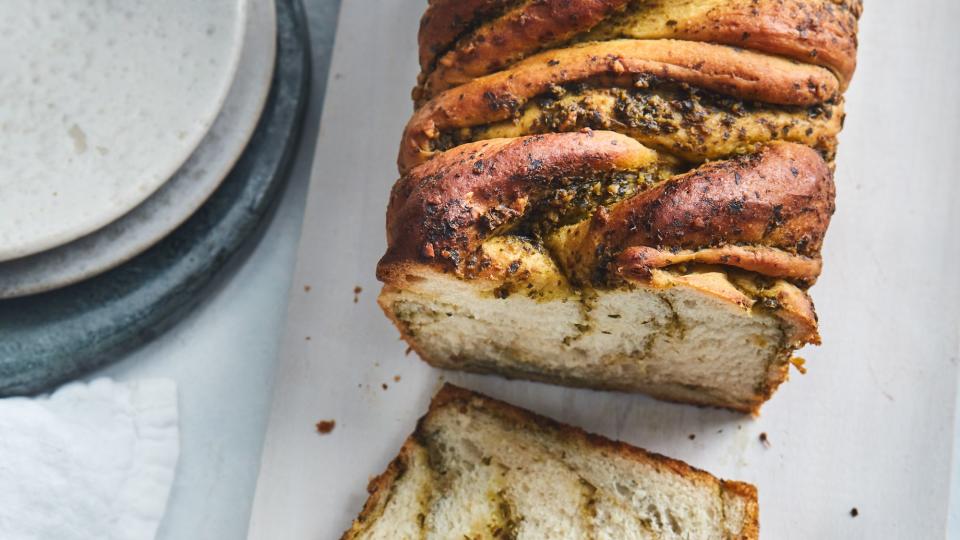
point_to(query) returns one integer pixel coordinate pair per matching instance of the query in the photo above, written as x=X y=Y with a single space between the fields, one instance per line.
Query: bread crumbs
x=800 y=364
x=356 y=293
x=326 y=426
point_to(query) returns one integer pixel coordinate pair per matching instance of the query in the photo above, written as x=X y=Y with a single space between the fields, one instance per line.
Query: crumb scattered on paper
x=396 y=378
x=764 y=440
x=800 y=364
x=306 y=288
x=326 y=426
x=356 y=293
x=854 y=512
x=408 y=351
x=692 y=436
x=384 y=385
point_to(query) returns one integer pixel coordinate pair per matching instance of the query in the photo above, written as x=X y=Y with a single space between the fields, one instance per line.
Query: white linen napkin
x=89 y=461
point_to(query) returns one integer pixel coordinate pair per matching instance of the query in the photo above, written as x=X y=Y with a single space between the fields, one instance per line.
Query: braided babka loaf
x=586 y=202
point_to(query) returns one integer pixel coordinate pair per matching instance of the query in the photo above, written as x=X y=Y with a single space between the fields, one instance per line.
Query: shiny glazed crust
x=446 y=21
x=442 y=210
x=778 y=202
x=463 y=40
x=724 y=70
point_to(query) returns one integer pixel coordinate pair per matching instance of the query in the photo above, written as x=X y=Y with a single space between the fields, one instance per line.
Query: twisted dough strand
x=464 y=39
x=766 y=212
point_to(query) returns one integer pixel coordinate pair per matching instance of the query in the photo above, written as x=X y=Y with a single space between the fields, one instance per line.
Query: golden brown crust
x=819 y=32
x=510 y=37
x=442 y=211
x=637 y=262
x=781 y=197
x=446 y=20
x=748 y=494
x=379 y=489
x=796 y=308
x=740 y=74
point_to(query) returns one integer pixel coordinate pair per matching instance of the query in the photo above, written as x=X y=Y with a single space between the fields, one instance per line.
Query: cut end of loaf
x=504 y=257
x=693 y=338
x=480 y=468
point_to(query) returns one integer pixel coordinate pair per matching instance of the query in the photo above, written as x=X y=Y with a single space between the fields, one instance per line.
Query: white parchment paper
x=869 y=427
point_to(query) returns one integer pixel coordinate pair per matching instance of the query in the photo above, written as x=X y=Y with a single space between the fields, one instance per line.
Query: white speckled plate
x=177 y=199
x=102 y=102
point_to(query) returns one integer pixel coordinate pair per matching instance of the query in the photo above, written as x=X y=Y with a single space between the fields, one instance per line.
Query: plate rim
x=49 y=339
x=84 y=227
x=18 y=277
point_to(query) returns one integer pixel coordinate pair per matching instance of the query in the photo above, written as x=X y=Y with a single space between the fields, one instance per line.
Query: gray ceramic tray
x=50 y=338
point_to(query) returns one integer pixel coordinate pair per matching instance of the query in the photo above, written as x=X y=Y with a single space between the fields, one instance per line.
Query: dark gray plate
x=50 y=338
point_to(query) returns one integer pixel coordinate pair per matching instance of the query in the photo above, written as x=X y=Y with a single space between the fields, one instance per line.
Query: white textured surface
x=871 y=425
x=103 y=101
x=178 y=198
x=90 y=461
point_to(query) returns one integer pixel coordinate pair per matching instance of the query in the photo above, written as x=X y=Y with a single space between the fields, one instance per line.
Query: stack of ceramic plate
x=120 y=122
x=121 y=126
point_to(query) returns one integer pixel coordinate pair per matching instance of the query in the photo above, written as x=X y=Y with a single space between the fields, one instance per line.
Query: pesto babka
x=478 y=468
x=585 y=202
x=582 y=259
